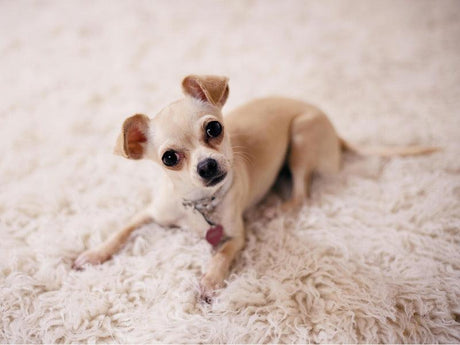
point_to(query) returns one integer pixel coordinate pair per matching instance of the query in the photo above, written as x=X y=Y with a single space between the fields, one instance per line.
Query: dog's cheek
x=228 y=156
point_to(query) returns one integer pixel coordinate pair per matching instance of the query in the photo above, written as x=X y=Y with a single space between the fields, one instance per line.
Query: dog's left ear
x=132 y=141
x=207 y=88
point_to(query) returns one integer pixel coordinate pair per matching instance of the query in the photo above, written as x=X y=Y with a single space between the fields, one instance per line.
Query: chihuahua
x=215 y=169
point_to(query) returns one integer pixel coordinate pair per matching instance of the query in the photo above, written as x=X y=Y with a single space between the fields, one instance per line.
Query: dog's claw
x=208 y=287
x=206 y=295
x=206 y=299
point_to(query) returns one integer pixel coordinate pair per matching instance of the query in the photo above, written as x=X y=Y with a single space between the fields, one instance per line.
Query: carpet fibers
x=372 y=256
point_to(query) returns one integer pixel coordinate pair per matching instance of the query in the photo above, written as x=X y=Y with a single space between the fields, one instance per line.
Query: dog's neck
x=207 y=205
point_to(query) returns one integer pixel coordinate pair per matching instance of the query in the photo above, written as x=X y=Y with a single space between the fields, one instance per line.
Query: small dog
x=216 y=169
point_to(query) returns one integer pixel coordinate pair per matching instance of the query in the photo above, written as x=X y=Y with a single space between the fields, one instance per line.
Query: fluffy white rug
x=373 y=257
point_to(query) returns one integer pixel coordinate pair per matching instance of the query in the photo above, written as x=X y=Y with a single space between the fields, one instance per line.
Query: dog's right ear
x=132 y=141
x=212 y=89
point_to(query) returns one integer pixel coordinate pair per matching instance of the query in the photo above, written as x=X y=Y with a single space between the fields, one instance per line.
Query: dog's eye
x=213 y=129
x=170 y=158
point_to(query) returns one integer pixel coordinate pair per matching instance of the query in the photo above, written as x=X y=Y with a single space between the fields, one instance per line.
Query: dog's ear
x=207 y=88
x=131 y=142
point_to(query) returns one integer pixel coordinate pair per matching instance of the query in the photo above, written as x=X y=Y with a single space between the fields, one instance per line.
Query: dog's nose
x=207 y=168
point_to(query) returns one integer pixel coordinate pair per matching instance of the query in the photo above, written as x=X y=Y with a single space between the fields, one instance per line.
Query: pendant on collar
x=214 y=235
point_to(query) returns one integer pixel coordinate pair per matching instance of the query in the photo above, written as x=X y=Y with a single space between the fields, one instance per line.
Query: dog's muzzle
x=209 y=171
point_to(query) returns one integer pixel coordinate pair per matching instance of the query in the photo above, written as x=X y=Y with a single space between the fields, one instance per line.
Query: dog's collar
x=207 y=205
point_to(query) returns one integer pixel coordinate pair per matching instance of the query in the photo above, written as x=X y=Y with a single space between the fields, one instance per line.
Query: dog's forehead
x=184 y=110
x=180 y=119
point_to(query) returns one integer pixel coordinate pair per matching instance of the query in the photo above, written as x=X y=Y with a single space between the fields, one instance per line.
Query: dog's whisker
x=245 y=157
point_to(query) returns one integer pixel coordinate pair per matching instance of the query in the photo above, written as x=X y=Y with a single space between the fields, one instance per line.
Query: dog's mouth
x=215 y=180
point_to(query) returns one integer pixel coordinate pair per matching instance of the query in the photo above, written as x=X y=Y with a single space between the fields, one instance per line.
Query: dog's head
x=187 y=138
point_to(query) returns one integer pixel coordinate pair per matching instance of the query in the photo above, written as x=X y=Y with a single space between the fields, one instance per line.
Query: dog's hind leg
x=314 y=146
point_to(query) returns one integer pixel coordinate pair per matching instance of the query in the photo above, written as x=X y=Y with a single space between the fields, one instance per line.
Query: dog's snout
x=208 y=168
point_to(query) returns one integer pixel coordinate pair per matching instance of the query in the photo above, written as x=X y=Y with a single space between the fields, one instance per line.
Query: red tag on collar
x=214 y=235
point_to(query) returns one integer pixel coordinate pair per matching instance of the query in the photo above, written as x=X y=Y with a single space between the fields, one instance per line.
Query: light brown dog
x=216 y=169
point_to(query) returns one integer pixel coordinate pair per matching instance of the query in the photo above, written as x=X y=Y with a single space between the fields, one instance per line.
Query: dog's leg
x=300 y=167
x=301 y=161
x=314 y=146
x=220 y=263
x=105 y=250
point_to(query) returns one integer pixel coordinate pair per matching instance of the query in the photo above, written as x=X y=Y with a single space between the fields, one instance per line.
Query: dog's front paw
x=91 y=256
x=208 y=285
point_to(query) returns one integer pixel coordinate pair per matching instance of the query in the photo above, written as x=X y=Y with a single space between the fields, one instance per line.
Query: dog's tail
x=388 y=151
